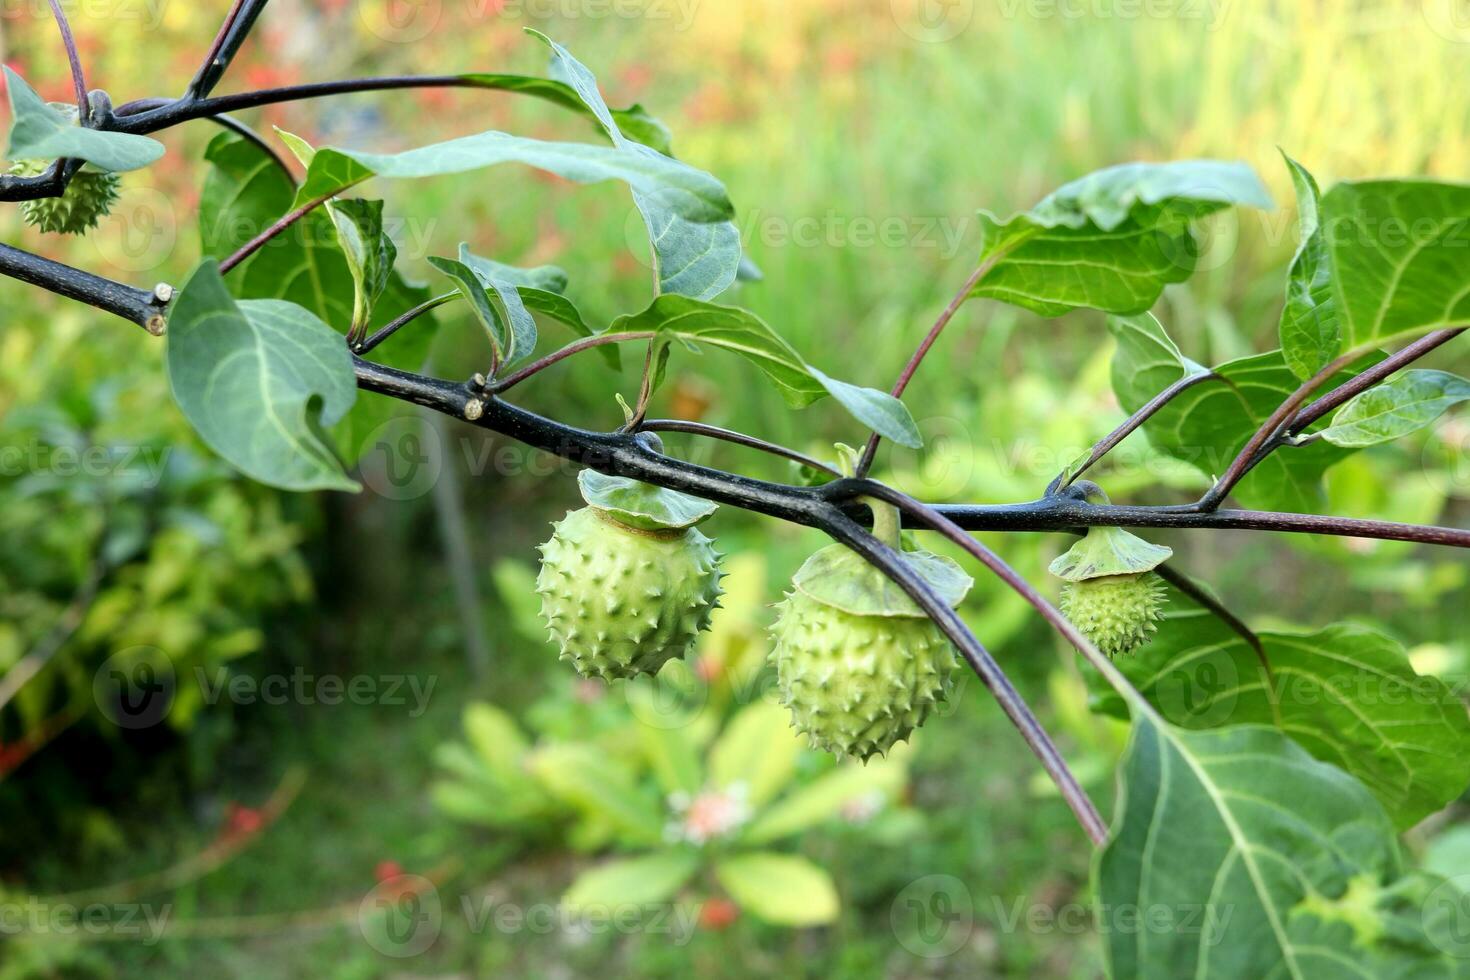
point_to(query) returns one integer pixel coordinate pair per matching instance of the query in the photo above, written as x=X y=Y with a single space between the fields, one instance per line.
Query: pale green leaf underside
x=41 y=131
x=249 y=377
x=1400 y=254
x=632 y=882
x=1346 y=694
x=1396 y=408
x=1310 y=337
x=1113 y=239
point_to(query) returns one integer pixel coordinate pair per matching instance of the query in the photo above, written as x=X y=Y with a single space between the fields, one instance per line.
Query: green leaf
x=1396 y=408
x=828 y=795
x=1210 y=423
x=497 y=306
x=634 y=121
x=541 y=291
x=1113 y=239
x=652 y=879
x=496 y=739
x=781 y=889
x=581 y=776
x=692 y=257
x=878 y=410
x=256 y=380
x=1346 y=694
x=696 y=322
x=688 y=211
x=1310 y=337
x=672 y=757
x=1236 y=855
x=1398 y=250
x=758 y=750
x=244 y=192
x=41 y=131
x=369 y=252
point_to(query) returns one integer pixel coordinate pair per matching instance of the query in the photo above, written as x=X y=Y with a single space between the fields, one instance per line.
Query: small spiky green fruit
x=627 y=583
x=1112 y=593
x=859 y=664
x=1116 y=612
x=88 y=198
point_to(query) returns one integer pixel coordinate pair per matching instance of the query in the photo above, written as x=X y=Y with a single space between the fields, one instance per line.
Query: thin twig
x=1138 y=418
x=281 y=224
x=907 y=374
x=1219 y=610
x=403 y=320
x=739 y=439
x=576 y=347
x=1370 y=377
x=78 y=79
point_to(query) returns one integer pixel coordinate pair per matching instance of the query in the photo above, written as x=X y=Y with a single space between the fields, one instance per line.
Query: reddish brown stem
x=586 y=343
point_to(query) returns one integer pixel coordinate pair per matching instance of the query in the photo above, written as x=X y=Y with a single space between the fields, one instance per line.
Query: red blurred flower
x=717 y=914
x=387 y=870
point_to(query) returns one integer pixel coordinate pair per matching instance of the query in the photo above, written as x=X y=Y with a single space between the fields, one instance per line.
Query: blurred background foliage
x=858 y=143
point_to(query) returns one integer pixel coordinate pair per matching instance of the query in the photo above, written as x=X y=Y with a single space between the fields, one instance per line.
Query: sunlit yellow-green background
x=857 y=139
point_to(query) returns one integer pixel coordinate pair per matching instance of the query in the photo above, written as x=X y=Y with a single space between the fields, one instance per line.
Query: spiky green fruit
x=859 y=664
x=88 y=197
x=856 y=685
x=623 y=600
x=1117 y=612
x=1112 y=594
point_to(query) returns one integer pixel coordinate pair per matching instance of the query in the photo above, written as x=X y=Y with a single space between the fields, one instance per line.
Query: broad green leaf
x=42 y=131
x=1210 y=423
x=684 y=199
x=826 y=797
x=1235 y=855
x=496 y=739
x=1396 y=408
x=634 y=121
x=692 y=256
x=498 y=307
x=244 y=192
x=257 y=379
x=695 y=322
x=581 y=776
x=1346 y=694
x=757 y=750
x=1310 y=338
x=1398 y=250
x=541 y=291
x=369 y=252
x=548 y=278
x=1113 y=239
x=637 y=881
x=781 y=889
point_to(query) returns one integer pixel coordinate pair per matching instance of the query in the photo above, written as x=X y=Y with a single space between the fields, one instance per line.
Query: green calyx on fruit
x=88 y=198
x=1112 y=593
x=628 y=581
x=859 y=664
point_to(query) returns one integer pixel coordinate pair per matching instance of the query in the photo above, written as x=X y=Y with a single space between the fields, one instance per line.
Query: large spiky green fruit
x=859 y=664
x=88 y=198
x=627 y=583
x=1112 y=593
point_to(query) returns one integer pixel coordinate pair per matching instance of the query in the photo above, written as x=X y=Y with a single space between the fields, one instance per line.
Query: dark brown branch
x=1370 y=377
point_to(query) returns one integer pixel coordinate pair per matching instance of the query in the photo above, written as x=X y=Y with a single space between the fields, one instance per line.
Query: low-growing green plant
x=1268 y=810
